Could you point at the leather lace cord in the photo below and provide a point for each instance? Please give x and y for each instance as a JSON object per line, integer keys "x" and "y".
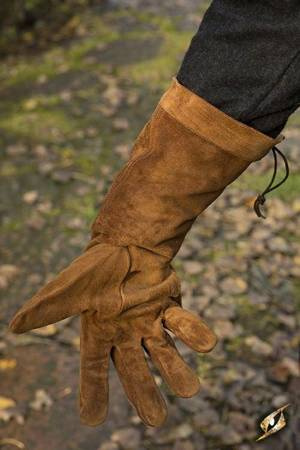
{"x": 260, "y": 199}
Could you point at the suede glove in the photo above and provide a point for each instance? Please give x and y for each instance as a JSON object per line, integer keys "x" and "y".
{"x": 124, "y": 284}
{"x": 138, "y": 329}
{"x": 119, "y": 318}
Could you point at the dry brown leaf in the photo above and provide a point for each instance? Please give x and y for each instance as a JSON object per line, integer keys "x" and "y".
{"x": 249, "y": 201}
{"x": 65, "y": 392}
{"x": 120, "y": 124}
{"x": 12, "y": 441}
{"x": 7, "y": 273}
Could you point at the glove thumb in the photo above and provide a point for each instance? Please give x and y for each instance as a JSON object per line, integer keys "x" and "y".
{"x": 92, "y": 277}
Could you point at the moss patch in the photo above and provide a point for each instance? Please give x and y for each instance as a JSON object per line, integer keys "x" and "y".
{"x": 258, "y": 182}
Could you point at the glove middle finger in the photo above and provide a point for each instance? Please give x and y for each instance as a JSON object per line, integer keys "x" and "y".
{"x": 138, "y": 382}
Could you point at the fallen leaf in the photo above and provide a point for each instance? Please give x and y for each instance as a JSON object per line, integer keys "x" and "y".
{"x": 11, "y": 441}
{"x": 42, "y": 79}
{"x": 233, "y": 285}
{"x": 113, "y": 95}
{"x": 120, "y": 124}
{"x": 7, "y": 273}
{"x": 44, "y": 207}
{"x": 123, "y": 150}
{"x": 7, "y": 364}
{"x": 6, "y": 403}
{"x": 61, "y": 176}
{"x": 132, "y": 97}
{"x": 6, "y": 415}
{"x": 36, "y": 222}
{"x": 30, "y": 104}
{"x": 258, "y": 346}
{"x": 65, "y": 392}
{"x": 66, "y": 95}
{"x": 48, "y": 330}
{"x": 76, "y": 342}
{"x": 40, "y": 151}
{"x": 41, "y": 401}
{"x": 105, "y": 110}
{"x": 282, "y": 370}
{"x": 30, "y": 197}
{"x": 16, "y": 150}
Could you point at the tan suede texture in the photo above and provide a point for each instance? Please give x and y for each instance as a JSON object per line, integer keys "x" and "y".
{"x": 124, "y": 285}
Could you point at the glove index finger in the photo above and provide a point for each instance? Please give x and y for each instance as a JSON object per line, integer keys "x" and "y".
{"x": 95, "y": 346}
{"x": 192, "y": 330}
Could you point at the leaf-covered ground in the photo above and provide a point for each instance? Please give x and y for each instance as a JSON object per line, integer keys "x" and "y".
{"x": 68, "y": 117}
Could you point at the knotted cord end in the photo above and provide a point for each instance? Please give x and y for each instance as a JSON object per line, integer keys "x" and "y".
{"x": 259, "y": 201}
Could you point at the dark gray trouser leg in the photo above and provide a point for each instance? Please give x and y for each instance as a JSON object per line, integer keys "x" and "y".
{"x": 245, "y": 60}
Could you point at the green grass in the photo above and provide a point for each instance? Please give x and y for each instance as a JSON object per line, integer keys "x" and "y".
{"x": 47, "y": 63}
{"x": 160, "y": 69}
{"x": 296, "y": 292}
{"x": 253, "y": 319}
{"x": 39, "y": 123}
{"x": 294, "y": 119}
{"x": 84, "y": 206}
{"x": 258, "y": 182}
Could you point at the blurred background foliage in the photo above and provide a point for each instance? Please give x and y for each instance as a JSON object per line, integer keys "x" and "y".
{"x": 78, "y": 80}
{"x": 36, "y": 23}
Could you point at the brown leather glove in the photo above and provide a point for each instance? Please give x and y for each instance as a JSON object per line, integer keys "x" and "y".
{"x": 124, "y": 284}
{"x": 125, "y": 338}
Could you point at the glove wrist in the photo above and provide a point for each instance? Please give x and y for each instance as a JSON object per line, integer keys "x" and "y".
{"x": 183, "y": 159}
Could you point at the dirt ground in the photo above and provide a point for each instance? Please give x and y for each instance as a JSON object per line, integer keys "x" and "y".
{"x": 68, "y": 118}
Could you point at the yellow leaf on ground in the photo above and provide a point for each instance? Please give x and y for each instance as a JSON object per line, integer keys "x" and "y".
{"x": 30, "y": 104}
{"x": 48, "y": 330}
{"x": 6, "y": 402}
{"x": 6, "y": 364}
{"x": 11, "y": 441}
{"x": 76, "y": 342}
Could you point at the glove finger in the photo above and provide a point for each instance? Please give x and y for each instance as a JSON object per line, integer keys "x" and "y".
{"x": 94, "y": 366}
{"x": 192, "y": 330}
{"x": 177, "y": 374}
{"x": 96, "y": 273}
{"x": 139, "y": 384}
